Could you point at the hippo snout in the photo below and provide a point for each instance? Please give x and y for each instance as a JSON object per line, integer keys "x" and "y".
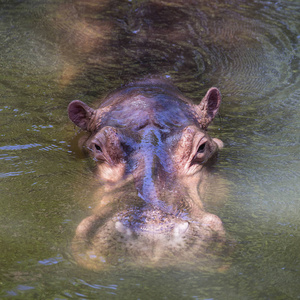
{"x": 151, "y": 222}
{"x": 177, "y": 229}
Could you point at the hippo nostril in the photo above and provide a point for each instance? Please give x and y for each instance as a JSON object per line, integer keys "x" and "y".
{"x": 180, "y": 229}
{"x": 122, "y": 229}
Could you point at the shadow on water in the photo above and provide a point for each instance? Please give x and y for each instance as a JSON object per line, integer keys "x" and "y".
{"x": 52, "y": 52}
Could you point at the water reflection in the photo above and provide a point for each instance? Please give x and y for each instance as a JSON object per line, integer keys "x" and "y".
{"x": 241, "y": 47}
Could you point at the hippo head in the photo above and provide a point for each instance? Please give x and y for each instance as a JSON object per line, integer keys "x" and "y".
{"x": 151, "y": 149}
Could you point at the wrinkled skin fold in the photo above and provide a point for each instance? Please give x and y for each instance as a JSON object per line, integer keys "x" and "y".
{"x": 151, "y": 148}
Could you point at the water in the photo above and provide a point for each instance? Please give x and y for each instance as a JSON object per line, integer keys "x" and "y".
{"x": 52, "y": 52}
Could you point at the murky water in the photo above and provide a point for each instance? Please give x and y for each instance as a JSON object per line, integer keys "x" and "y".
{"x": 52, "y": 52}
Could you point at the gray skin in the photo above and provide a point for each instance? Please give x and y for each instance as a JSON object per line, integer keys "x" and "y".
{"x": 152, "y": 150}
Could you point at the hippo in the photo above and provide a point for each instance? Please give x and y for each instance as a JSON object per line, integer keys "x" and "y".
{"x": 152, "y": 152}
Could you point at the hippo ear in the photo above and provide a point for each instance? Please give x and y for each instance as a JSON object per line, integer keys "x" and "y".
{"x": 209, "y": 106}
{"x": 80, "y": 114}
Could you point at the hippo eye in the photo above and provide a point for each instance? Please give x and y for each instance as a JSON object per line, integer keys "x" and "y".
{"x": 201, "y": 148}
{"x": 98, "y": 148}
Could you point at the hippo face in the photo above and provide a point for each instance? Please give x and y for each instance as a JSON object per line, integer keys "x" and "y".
{"x": 151, "y": 149}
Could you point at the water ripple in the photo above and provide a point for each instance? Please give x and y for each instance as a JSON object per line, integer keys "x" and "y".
{"x": 248, "y": 49}
{"x": 19, "y": 147}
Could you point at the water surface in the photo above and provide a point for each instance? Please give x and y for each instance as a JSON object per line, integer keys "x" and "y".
{"x": 52, "y": 52}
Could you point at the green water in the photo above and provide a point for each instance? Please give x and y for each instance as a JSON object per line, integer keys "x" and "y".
{"x": 52, "y": 52}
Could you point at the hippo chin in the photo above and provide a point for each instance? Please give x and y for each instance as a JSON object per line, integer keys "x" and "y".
{"x": 152, "y": 151}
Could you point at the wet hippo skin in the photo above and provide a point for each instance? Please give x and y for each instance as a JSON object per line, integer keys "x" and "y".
{"x": 152, "y": 150}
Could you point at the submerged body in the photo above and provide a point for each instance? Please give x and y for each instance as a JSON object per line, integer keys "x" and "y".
{"x": 152, "y": 150}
